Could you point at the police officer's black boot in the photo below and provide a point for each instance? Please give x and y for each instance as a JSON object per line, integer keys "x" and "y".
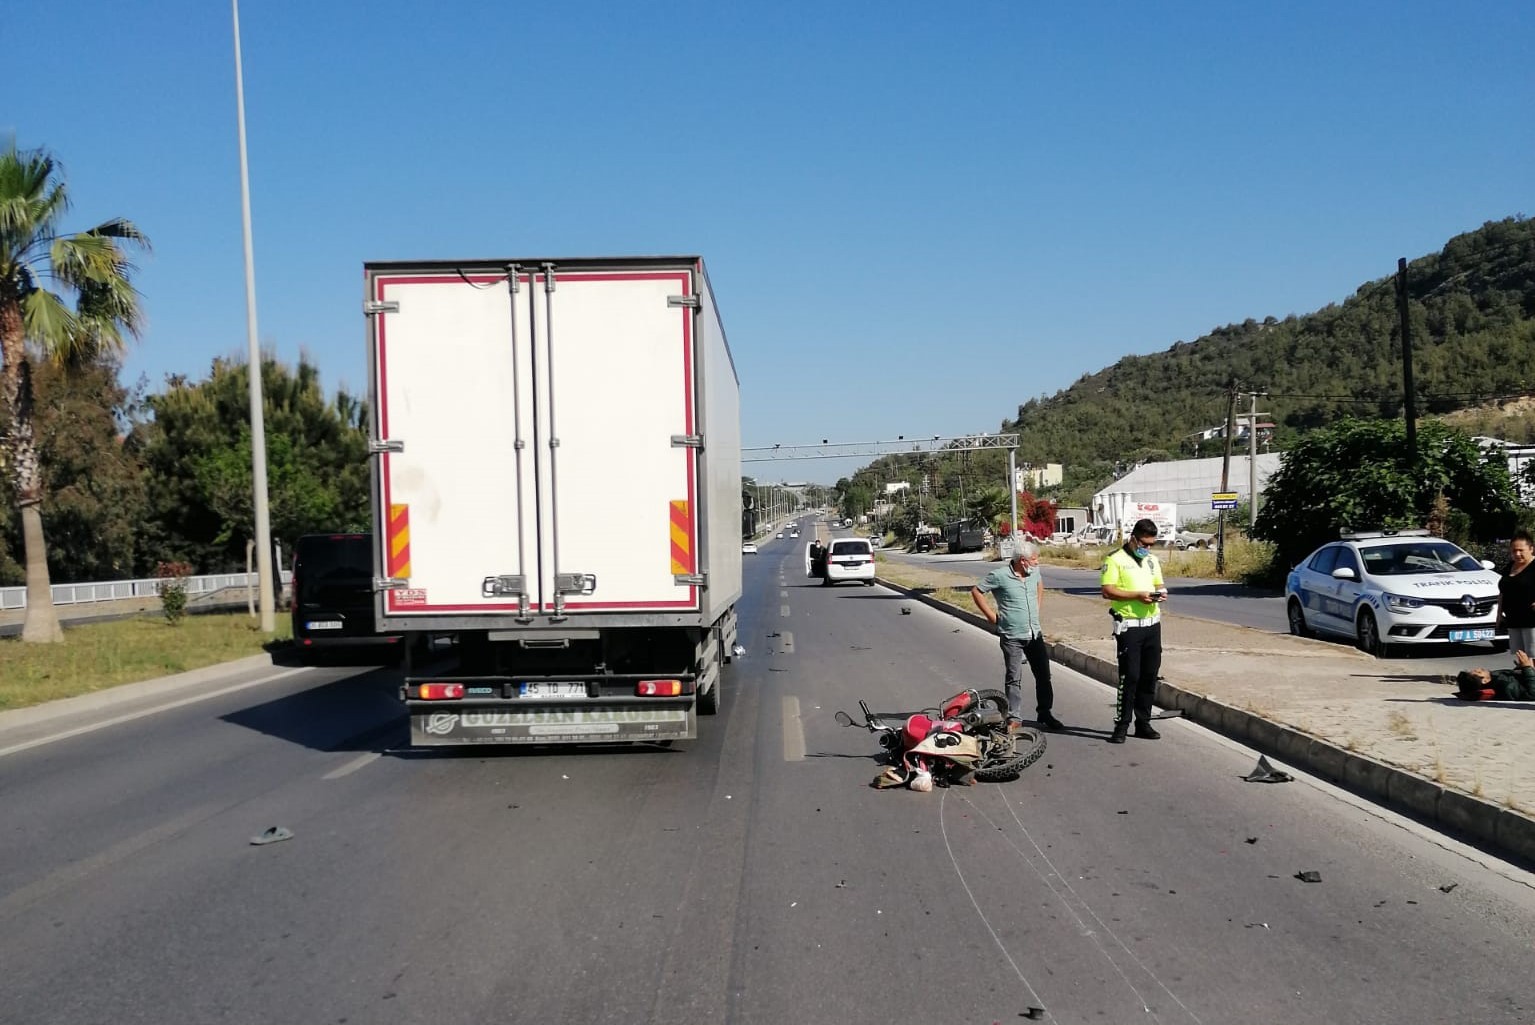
{"x": 1144, "y": 731}
{"x": 1121, "y": 727}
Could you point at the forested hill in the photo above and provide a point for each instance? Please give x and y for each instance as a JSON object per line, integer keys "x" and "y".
{"x": 1473, "y": 330}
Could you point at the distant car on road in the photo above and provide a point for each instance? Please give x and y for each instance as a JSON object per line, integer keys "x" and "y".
{"x": 748, "y": 548}
{"x": 1393, "y": 589}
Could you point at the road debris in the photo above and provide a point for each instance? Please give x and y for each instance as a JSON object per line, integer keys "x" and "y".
{"x": 1447, "y": 887}
{"x": 1033, "y": 1014}
{"x": 1266, "y": 773}
{"x": 905, "y": 610}
{"x": 1309, "y": 876}
{"x": 1252, "y": 839}
{"x": 272, "y": 834}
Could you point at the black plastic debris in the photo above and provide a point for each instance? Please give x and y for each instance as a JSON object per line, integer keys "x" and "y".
{"x": 272, "y": 834}
{"x": 1033, "y": 1014}
{"x": 1309, "y": 876}
{"x": 1121, "y": 813}
{"x": 905, "y": 610}
{"x": 1266, "y": 773}
{"x": 1447, "y": 887}
{"x": 1252, "y": 839}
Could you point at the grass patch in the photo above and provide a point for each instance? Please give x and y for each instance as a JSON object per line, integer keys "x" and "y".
{"x": 1399, "y": 724}
{"x": 101, "y": 655}
{"x": 960, "y": 599}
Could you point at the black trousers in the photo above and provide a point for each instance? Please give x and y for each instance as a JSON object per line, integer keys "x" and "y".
{"x": 1139, "y": 649}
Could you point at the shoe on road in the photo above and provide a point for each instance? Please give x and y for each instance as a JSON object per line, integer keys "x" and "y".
{"x": 1014, "y": 725}
{"x": 1118, "y": 736}
{"x": 1144, "y": 731}
{"x": 1051, "y": 723}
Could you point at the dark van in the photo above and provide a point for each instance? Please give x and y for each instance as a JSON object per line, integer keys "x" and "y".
{"x": 333, "y": 600}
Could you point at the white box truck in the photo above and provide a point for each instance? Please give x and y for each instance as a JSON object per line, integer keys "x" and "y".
{"x": 556, "y": 495}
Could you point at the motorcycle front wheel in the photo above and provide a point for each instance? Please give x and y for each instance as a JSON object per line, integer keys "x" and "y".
{"x": 1009, "y": 754}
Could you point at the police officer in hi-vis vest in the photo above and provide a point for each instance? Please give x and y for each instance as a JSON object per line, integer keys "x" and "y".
{"x": 1132, "y": 582}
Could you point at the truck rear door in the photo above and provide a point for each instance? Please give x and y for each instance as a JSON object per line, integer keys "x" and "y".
{"x": 536, "y": 431}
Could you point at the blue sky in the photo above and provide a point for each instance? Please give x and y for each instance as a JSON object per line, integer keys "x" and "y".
{"x": 916, "y": 216}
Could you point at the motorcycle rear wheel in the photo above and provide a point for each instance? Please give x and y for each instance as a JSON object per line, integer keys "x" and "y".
{"x": 1006, "y": 761}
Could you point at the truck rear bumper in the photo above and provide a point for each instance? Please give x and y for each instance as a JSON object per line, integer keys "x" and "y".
{"x": 434, "y": 725}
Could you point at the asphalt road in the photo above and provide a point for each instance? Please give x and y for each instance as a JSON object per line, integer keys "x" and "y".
{"x": 1219, "y": 600}
{"x": 751, "y": 876}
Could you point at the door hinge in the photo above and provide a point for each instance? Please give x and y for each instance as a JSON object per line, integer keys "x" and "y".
{"x": 381, "y": 445}
{"x": 389, "y": 583}
{"x": 690, "y": 579}
{"x": 690, "y": 301}
{"x": 371, "y": 307}
{"x": 687, "y": 441}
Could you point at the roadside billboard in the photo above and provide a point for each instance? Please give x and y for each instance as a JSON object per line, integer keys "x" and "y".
{"x": 1163, "y": 514}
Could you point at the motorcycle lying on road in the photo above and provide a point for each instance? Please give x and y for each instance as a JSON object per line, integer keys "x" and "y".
{"x": 963, "y": 741}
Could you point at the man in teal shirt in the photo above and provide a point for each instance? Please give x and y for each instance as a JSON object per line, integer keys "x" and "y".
{"x": 1019, "y": 589}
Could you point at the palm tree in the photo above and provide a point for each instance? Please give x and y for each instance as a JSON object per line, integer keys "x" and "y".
{"x": 63, "y": 298}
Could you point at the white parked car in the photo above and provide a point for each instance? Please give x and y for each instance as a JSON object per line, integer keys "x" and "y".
{"x": 847, "y": 558}
{"x": 748, "y": 548}
{"x": 1394, "y": 588}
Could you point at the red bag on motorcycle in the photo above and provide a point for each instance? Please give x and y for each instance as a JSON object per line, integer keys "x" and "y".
{"x": 919, "y": 727}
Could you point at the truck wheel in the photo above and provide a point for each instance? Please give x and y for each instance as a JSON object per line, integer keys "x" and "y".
{"x": 709, "y": 700}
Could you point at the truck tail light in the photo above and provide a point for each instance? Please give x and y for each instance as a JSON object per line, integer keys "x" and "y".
{"x": 658, "y": 688}
{"x": 440, "y": 691}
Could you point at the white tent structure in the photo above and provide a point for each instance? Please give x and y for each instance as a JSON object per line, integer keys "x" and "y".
{"x": 1187, "y": 483}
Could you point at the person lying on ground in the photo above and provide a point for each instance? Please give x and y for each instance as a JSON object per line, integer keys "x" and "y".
{"x": 1516, "y": 684}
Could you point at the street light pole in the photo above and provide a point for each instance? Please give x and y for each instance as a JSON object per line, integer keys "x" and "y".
{"x": 258, "y": 417}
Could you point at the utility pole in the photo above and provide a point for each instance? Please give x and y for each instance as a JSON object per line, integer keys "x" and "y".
{"x": 264, "y": 567}
{"x": 1252, "y": 460}
{"x": 1220, "y": 521}
{"x": 1411, "y": 404}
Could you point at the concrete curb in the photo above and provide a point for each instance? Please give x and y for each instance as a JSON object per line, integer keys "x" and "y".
{"x": 1399, "y": 789}
{"x": 110, "y": 697}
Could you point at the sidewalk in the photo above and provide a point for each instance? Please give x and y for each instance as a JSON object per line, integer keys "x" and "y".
{"x": 1384, "y": 728}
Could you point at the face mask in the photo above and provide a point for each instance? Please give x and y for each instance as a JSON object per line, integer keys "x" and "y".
{"x": 1142, "y": 552}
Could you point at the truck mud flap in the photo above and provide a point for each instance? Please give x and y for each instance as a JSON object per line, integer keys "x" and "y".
{"x": 437, "y": 728}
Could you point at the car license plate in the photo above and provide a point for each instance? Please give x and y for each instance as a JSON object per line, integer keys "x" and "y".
{"x": 545, "y": 689}
{"x": 324, "y": 624}
{"x": 1472, "y": 635}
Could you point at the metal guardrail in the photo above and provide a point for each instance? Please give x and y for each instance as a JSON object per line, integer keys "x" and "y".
{"x": 118, "y": 590}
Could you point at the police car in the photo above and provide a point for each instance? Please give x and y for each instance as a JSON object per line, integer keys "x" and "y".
{"x": 1394, "y": 588}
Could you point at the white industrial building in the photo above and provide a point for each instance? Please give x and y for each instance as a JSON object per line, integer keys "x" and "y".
{"x": 1186, "y": 483}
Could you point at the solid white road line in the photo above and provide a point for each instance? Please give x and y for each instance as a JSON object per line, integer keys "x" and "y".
{"x": 361, "y": 761}
{"x": 793, "y": 731}
{"x": 156, "y": 710}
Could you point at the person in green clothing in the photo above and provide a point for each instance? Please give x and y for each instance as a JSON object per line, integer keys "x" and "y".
{"x": 1131, "y": 580}
{"x": 1517, "y": 684}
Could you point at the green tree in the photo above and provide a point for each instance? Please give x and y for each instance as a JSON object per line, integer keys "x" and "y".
{"x": 63, "y": 298}
{"x": 197, "y": 452}
{"x": 1357, "y": 474}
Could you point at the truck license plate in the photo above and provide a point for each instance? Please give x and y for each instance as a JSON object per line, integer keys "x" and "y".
{"x": 544, "y": 689}
{"x": 1472, "y": 635}
{"x": 324, "y": 624}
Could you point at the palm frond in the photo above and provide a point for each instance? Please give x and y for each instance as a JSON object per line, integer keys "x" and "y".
{"x": 121, "y": 228}
{"x": 50, "y": 324}
{"x": 78, "y": 260}
{"x": 107, "y": 308}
